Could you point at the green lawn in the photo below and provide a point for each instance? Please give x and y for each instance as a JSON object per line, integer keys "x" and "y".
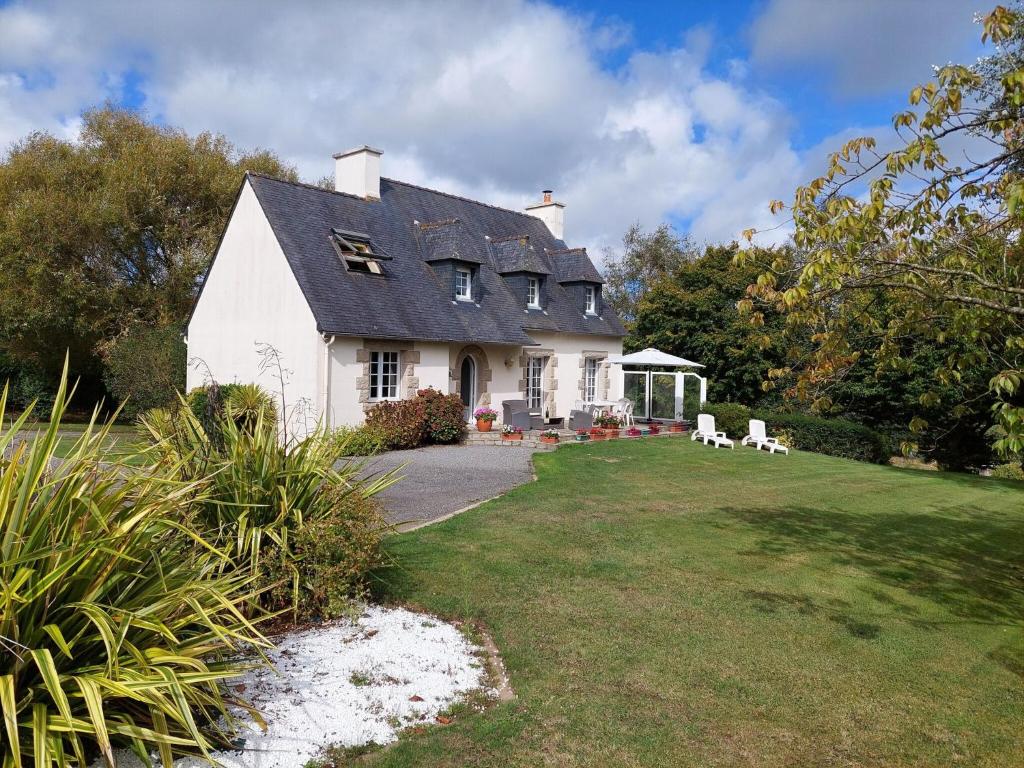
{"x": 662, "y": 603}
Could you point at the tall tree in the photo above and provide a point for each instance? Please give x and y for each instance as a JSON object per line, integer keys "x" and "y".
{"x": 693, "y": 314}
{"x": 645, "y": 258}
{"x": 932, "y": 227}
{"x": 113, "y": 230}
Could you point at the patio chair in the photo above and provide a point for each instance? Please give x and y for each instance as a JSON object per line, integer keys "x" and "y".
{"x": 515, "y": 413}
{"x": 758, "y": 438}
{"x": 706, "y": 430}
{"x": 581, "y": 419}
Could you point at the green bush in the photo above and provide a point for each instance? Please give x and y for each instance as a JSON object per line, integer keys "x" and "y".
{"x": 731, "y": 418}
{"x": 357, "y": 441}
{"x": 834, "y": 437}
{"x": 259, "y": 494}
{"x": 212, "y": 403}
{"x": 446, "y": 417}
{"x": 1011, "y": 471}
{"x": 332, "y": 555}
{"x": 403, "y": 423}
{"x": 145, "y": 368}
{"x": 117, "y": 629}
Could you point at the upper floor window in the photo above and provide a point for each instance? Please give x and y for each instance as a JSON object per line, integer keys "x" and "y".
{"x": 591, "y": 300}
{"x": 463, "y": 284}
{"x": 383, "y": 375}
{"x": 533, "y": 293}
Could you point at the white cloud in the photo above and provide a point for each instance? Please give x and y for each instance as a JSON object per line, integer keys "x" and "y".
{"x": 494, "y": 100}
{"x": 867, "y": 46}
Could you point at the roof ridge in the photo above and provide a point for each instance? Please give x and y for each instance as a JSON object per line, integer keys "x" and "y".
{"x": 304, "y": 185}
{"x": 457, "y": 197}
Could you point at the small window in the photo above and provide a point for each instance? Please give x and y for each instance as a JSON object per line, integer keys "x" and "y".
{"x": 590, "y": 379}
{"x": 357, "y": 252}
{"x": 591, "y": 300}
{"x": 533, "y": 293}
{"x": 383, "y": 375}
{"x": 463, "y": 285}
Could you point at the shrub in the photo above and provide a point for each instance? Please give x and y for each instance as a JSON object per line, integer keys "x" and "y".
{"x": 145, "y": 368}
{"x": 731, "y": 418}
{"x": 332, "y": 555}
{"x": 834, "y": 437}
{"x": 446, "y": 420}
{"x": 259, "y": 494}
{"x": 403, "y": 423}
{"x": 1012, "y": 471}
{"x": 357, "y": 441}
{"x": 212, "y": 403}
{"x": 117, "y": 630}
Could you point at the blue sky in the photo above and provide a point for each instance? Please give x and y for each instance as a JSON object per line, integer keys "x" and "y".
{"x": 697, "y": 113}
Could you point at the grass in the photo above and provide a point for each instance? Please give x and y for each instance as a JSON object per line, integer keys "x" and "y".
{"x": 661, "y": 603}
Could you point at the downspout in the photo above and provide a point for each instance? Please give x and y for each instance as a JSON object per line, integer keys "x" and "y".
{"x": 325, "y": 382}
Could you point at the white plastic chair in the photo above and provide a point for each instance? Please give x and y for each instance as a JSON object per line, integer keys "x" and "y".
{"x": 758, "y": 438}
{"x": 706, "y": 430}
{"x": 626, "y": 412}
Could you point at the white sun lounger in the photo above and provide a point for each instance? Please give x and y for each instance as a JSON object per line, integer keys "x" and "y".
{"x": 758, "y": 438}
{"x": 706, "y": 431}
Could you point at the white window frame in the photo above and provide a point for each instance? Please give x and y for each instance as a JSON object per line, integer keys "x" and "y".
{"x": 533, "y": 293}
{"x": 591, "y": 305}
{"x": 535, "y": 382}
{"x": 463, "y": 288}
{"x": 591, "y": 367}
{"x": 384, "y": 376}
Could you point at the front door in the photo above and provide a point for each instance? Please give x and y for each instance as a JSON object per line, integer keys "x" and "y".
{"x": 467, "y": 386}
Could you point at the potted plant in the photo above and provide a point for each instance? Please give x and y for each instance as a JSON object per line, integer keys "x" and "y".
{"x": 549, "y": 436}
{"x": 508, "y": 432}
{"x": 582, "y": 435}
{"x": 677, "y": 426}
{"x": 596, "y": 433}
{"x": 484, "y": 419}
{"x": 654, "y": 429}
{"x": 633, "y": 432}
{"x": 610, "y": 423}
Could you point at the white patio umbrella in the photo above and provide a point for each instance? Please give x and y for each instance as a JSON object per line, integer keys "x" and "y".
{"x": 651, "y": 358}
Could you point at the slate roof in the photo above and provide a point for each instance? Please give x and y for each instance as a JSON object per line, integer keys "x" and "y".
{"x": 417, "y": 227}
{"x": 573, "y": 265}
{"x": 517, "y": 254}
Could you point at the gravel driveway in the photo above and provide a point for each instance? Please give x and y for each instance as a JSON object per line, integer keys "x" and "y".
{"x": 442, "y": 479}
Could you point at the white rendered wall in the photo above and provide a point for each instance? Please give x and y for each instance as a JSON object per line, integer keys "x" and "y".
{"x": 568, "y": 350}
{"x": 251, "y": 297}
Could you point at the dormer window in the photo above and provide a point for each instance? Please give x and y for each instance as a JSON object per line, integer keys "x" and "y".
{"x": 591, "y": 300}
{"x": 463, "y": 284}
{"x": 357, "y": 252}
{"x": 533, "y": 293}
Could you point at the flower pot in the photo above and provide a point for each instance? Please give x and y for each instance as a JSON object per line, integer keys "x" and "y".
{"x": 549, "y": 440}
{"x": 597, "y": 434}
{"x": 610, "y": 432}
{"x": 582, "y": 438}
{"x": 512, "y": 437}
{"x": 484, "y": 425}
{"x": 676, "y": 428}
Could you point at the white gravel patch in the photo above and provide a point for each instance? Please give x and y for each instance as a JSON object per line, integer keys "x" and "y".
{"x": 349, "y": 684}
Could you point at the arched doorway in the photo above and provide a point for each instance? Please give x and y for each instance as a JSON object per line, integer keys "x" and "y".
{"x": 467, "y": 386}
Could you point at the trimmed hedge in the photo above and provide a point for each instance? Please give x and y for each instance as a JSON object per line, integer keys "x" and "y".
{"x": 833, "y": 437}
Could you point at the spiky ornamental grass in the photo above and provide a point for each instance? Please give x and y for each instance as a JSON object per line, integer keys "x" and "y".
{"x": 118, "y": 624}
{"x": 259, "y": 490}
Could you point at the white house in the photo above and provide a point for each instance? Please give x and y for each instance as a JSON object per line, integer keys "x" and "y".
{"x": 378, "y": 288}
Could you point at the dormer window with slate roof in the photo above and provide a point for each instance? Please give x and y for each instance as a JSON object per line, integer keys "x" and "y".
{"x": 463, "y": 284}
{"x": 590, "y": 300}
{"x": 533, "y": 292}
{"x": 357, "y": 252}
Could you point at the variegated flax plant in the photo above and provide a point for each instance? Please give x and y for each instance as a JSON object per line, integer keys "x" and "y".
{"x": 118, "y": 627}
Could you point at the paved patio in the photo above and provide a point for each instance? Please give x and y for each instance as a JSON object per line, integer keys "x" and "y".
{"x": 442, "y": 479}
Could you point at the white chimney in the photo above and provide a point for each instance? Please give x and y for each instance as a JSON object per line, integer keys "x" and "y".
{"x": 551, "y": 213}
{"x": 357, "y": 172}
